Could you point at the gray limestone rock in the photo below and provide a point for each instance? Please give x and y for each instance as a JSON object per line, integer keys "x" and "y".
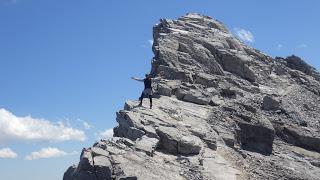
{"x": 102, "y": 167}
{"x": 169, "y": 139}
{"x": 196, "y": 97}
{"x": 189, "y": 145}
{"x": 68, "y": 175}
{"x": 146, "y": 144}
{"x": 96, "y": 151}
{"x": 163, "y": 89}
{"x": 86, "y": 161}
{"x": 300, "y": 136}
{"x": 294, "y": 62}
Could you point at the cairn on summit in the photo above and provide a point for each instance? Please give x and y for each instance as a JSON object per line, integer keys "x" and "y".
{"x": 224, "y": 111}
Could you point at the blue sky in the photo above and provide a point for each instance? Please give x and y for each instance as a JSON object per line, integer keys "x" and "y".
{"x": 65, "y": 66}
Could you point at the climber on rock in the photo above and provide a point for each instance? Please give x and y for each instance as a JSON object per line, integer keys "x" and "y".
{"x": 147, "y": 92}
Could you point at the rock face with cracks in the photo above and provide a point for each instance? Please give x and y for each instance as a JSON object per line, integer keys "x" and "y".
{"x": 223, "y": 110}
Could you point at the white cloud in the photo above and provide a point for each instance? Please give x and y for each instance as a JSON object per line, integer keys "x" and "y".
{"x": 302, "y": 46}
{"x": 48, "y": 152}
{"x": 13, "y": 128}
{"x": 7, "y": 153}
{"x": 150, "y": 42}
{"x": 279, "y": 46}
{"x": 244, "y": 35}
{"x": 107, "y": 134}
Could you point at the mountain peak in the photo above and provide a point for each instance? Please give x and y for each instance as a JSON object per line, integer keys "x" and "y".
{"x": 222, "y": 110}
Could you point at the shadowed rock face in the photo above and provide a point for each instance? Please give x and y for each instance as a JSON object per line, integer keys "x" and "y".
{"x": 222, "y": 111}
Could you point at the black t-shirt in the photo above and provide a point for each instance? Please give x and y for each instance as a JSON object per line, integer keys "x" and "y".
{"x": 147, "y": 83}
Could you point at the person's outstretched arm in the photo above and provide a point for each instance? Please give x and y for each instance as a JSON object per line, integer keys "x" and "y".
{"x": 157, "y": 78}
{"x": 160, "y": 77}
{"x": 137, "y": 79}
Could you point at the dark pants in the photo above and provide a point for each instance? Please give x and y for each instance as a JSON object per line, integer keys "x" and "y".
{"x": 143, "y": 96}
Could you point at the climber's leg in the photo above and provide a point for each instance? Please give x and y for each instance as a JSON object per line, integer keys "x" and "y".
{"x": 141, "y": 98}
{"x": 150, "y": 97}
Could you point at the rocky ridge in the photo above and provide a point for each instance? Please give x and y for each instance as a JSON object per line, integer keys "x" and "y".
{"x": 224, "y": 110}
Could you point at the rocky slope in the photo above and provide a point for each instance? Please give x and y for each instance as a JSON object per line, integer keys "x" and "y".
{"x": 223, "y": 111}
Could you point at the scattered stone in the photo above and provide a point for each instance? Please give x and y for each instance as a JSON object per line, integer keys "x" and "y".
{"x": 128, "y": 178}
{"x": 249, "y": 108}
{"x": 216, "y": 101}
{"x": 228, "y": 92}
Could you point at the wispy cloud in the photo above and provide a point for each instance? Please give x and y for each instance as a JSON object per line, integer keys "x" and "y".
{"x": 244, "y": 35}
{"x": 7, "y": 153}
{"x": 302, "y": 46}
{"x": 279, "y": 46}
{"x": 107, "y": 134}
{"x": 13, "y": 128}
{"x": 85, "y": 124}
{"x": 48, "y": 152}
{"x": 150, "y": 42}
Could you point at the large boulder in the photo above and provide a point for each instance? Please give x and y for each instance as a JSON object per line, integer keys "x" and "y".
{"x": 257, "y": 136}
{"x": 295, "y": 62}
{"x": 102, "y": 167}
{"x": 169, "y": 139}
{"x": 86, "y": 160}
{"x": 129, "y": 125}
{"x": 305, "y": 137}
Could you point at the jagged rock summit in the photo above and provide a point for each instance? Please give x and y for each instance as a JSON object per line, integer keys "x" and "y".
{"x": 223, "y": 111}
